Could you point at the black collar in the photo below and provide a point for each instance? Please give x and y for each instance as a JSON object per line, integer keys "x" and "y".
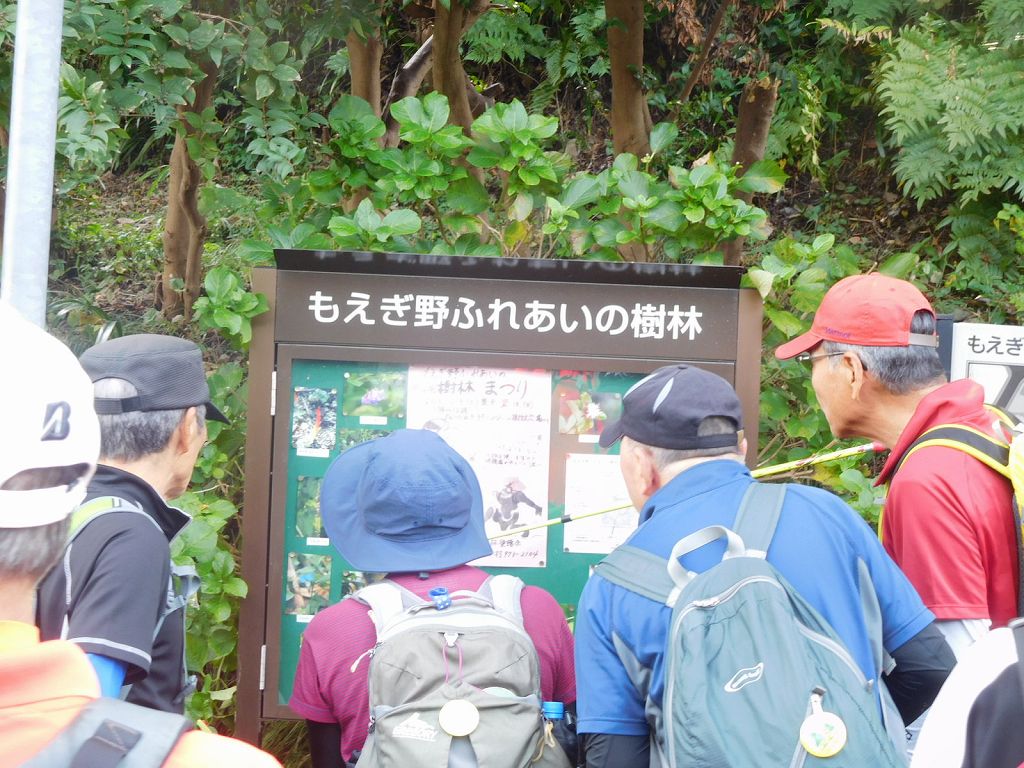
{"x": 110, "y": 481}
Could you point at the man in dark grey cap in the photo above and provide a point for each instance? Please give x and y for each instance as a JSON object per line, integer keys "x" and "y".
{"x": 681, "y": 455}
{"x": 115, "y": 592}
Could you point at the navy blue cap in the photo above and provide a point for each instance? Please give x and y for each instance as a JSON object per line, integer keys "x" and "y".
{"x": 665, "y": 410}
{"x": 404, "y": 502}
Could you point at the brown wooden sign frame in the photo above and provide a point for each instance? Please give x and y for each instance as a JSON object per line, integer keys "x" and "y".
{"x": 441, "y": 310}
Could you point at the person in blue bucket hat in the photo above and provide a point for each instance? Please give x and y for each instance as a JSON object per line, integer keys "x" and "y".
{"x": 406, "y": 507}
{"x": 404, "y": 502}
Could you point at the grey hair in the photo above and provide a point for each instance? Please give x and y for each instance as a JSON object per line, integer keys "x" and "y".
{"x": 134, "y": 435}
{"x": 29, "y": 553}
{"x": 712, "y": 425}
{"x": 900, "y": 370}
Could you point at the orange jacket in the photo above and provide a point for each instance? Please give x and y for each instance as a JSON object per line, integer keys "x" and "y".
{"x": 44, "y": 685}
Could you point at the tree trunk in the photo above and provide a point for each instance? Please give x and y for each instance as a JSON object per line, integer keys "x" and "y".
{"x": 630, "y": 118}
{"x": 184, "y": 226}
{"x": 407, "y": 83}
{"x": 364, "y": 67}
{"x": 450, "y": 24}
{"x": 757, "y": 106}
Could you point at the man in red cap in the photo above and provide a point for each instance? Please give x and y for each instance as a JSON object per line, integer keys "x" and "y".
{"x": 873, "y": 352}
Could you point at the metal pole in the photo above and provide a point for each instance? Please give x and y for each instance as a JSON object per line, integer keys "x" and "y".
{"x": 33, "y": 136}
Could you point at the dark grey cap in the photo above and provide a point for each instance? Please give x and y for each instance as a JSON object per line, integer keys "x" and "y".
{"x": 666, "y": 408}
{"x": 166, "y": 371}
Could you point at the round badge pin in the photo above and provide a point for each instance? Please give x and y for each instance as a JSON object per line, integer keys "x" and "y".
{"x": 823, "y": 734}
{"x": 458, "y": 717}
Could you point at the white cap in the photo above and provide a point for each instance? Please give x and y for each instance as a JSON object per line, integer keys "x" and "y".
{"x": 47, "y": 420}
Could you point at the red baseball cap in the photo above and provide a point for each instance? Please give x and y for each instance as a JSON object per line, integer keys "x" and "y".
{"x": 872, "y": 310}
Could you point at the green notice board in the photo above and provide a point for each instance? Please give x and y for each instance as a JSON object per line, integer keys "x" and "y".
{"x": 531, "y": 435}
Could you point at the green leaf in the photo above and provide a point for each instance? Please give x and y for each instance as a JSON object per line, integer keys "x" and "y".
{"x": 762, "y": 280}
{"x": 581, "y": 191}
{"x": 823, "y": 244}
{"x": 764, "y": 176}
{"x": 667, "y": 215}
{"x": 468, "y": 195}
{"x": 402, "y": 222}
{"x": 436, "y": 110}
{"x": 662, "y": 136}
{"x": 236, "y": 587}
{"x": 220, "y": 282}
{"x": 899, "y": 264}
{"x": 634, "y": 184}
{"x": 177, "y": 34}
{"x": 286, "y": 74}
{"x": 264, "y": 87}
{"x": 522, "y": 207}
{"x": 785, "y": 321}
{"x": 486, "y": 155}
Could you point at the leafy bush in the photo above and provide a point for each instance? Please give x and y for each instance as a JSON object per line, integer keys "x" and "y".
{"x": 505, "y": 191}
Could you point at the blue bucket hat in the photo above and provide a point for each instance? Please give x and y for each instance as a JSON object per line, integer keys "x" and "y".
{"x": 404, "y": 502}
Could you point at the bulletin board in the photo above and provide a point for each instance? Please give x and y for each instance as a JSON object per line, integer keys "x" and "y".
{"x": 518, "y": 364}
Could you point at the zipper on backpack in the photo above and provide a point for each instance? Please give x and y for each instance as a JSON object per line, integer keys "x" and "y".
{"x": 831, "y": 645}
{"x": 363, "y": 655}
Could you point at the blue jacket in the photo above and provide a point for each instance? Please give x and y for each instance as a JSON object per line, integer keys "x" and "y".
{"x": 817, "y": 546}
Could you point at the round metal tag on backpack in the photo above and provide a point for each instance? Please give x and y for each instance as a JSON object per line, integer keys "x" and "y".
{"x": 823, "y": 734}
{"x": 458, "y": 717}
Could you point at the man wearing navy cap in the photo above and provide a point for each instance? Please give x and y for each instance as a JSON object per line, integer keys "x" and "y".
{"x": 681, "y": 455}
{"x": 115, "y": 593}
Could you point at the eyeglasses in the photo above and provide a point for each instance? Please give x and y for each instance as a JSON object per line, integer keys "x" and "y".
{"x": 807, "y": 357}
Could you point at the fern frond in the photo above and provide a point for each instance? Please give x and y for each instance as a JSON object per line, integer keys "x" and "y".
{"x": 912, "y": 79}
{"x": 923, "y": 165}
{"x": 865, "y": 12}
{"x": 1004, "y": 22}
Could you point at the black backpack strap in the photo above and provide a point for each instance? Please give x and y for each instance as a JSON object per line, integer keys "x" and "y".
{"x": 758, "y": 516}
{"x": 991, "y": 451}
{"x": 111, "y": 732}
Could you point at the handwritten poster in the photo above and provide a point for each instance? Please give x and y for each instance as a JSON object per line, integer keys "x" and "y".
{"x": 500, "y": 420}
{"x": 592, "y": 483}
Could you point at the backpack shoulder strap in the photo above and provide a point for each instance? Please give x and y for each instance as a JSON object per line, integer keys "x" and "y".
{"x": 505, "y": 593}
{"x": 638, "y": 571}
{"x": 102, "y": 505}
{"x": 991, "y": 451}
{"x": 111, "y": 732}
{"x": 758, "y": 516}
{"x": 387, "y": 601}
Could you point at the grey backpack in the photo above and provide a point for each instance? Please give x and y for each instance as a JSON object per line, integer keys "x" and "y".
{"x": 754, "y": 676}
{"x": 454, "y": 687}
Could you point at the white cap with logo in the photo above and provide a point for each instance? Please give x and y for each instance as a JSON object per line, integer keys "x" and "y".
{"x": 47, "y": 422}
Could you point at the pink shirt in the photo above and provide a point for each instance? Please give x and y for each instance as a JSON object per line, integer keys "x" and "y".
{"x": 948, "y": 520}
{"x": 327, "y": 691}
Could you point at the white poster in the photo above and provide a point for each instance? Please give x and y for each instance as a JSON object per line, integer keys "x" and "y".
{"x": 992, "y": 355}
{"x": 593, "y": 483}
{"x": 500, "y": 420}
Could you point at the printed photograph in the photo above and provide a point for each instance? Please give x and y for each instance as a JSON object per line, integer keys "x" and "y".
{"x": 308, "y": 523}
{"x": 352, "y": 582}
{"x": 348, "y": 438}
{"x": 308, "y": 587}
{"x": 314, "y": 419}
{"x": 374, "y": 393}
{"x": 584, "y": 411}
